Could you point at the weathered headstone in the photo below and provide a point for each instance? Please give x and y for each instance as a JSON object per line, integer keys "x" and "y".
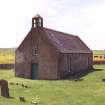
{"x": 22, "y": 99}
{"x": 4, "y": 88}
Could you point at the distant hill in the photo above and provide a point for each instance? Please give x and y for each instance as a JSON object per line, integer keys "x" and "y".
{"x": 7, "y": 55}
{"x": 7, "y": 49}
{"x": 98, "y": 52}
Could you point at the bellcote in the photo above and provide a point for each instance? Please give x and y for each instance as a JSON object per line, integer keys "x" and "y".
{"x": 37, "y": 21}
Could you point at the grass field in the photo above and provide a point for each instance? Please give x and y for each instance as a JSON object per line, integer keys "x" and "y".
{"x": 90, "y": 91}
{"x": 99, "y": 55}
{"x": 7, "y": 55}
{"x": 98, "y": 51}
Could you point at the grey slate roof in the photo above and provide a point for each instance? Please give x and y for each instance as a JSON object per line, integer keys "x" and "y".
{"x": 66, "y": 43}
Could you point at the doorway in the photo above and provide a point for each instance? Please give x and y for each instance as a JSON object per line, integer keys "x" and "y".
{"x": 34, "y": 71}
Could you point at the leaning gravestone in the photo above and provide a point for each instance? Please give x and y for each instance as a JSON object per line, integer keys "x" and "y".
{"x": 4, "y": 88}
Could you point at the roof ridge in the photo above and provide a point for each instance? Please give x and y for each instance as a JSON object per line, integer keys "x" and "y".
{"x": 62, "y": 33}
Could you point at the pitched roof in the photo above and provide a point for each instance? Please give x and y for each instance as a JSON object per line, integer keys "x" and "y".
{"x": 66, "y": 43}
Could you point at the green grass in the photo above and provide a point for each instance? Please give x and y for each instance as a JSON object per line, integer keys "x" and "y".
{"x": 90, "y": 91}
{"x": 7, "y": 55}
{"x": 98, "y": 52}
{"x": 99, "y": 55}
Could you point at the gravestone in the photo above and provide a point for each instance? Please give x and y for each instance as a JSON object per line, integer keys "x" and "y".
{"x": 22, "y": 99}
{"x": 4, "y": 88}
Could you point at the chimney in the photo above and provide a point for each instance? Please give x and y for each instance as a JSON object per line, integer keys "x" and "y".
{"x": 37, "y": 21}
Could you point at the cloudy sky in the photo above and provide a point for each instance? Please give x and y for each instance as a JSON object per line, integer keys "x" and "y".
{"x": 85, "y": 18}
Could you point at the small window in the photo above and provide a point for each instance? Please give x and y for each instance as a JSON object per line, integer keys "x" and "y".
{"x": 34, "y": 21}
{"x": 36, "y": 51}
{"x": 95, "y": 56}
{"x": 100, "y": 57}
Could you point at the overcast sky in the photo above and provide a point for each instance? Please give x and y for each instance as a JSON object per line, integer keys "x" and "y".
{"x": 85, "y": 18}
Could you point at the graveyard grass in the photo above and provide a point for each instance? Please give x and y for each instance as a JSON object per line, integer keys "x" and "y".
{"x": 90, "y": 91}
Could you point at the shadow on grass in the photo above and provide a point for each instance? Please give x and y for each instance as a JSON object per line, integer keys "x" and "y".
{"x": 78, "y": 76}
{"x": 11, "y": 97}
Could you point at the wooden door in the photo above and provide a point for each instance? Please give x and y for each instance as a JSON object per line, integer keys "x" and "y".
{"x": 34, "y": 71}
